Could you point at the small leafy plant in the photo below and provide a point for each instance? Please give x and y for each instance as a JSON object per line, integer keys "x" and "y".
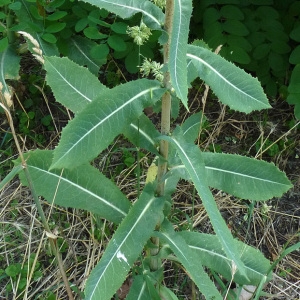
{"x": 145, "y": 235}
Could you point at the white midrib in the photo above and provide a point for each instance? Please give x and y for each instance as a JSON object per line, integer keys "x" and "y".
{"x": 105, "y": 119}
{"x": 238, "y": 174}
{"x": 122, "y": 243}
{"x": 223, "y": 78}
{"x": 81, "y": 188}
{"x": 68, "y": 83}
{"x": 143, "y": 133}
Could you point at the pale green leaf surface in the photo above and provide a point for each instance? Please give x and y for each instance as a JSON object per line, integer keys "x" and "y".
{"x": 191, "y": 157}
{"x": 73, "y": 86}
{"x": 95, "y": 127}
{"x": 190, "y": 261}
{"x": 16, "y": 170}
{"x": 244, "y": 177}
{"x": 83, "y": 187}
{"x": 152, "y": 15}
{"x": 125, "y": 246}
{"x": 209, "y": 249}
{"x": 9, "y": 67}
{"x": 143, "y": 134}
{"x": 233, "y": 86}
{"x": 178, "y": 48}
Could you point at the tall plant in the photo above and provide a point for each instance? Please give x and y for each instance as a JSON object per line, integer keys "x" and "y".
{"x": 64, "y": 176}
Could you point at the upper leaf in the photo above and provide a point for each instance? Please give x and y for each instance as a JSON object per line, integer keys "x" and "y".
{"x": 244, "y": 177}
{"x": 95, "y": 127}
{"x": 191, "y": 157}
{"x": 125, "y": 246}
{"x": 73, "y": 86}
{"x": 178, "y": 48}
{"x": 153, "y": 15}
{"x": 209, "y": 249}
{"x": 83, "y": 187}
{"x": 233, "y": 86}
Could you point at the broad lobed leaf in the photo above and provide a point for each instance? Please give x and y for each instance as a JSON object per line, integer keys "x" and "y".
{"x": 83, "y": 187}
{"x": 233, "y": 86}
{"x": 152, "y": 15}
{"x": 125, "y": 246}
{"x": 95, "y": 127}
{"x": 178, "y": 48}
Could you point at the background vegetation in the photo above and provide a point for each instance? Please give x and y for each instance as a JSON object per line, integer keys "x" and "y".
{"x": 260, "y": 36}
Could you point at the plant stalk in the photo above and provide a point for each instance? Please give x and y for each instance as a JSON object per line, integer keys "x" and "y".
{"x": 155, "y": 263}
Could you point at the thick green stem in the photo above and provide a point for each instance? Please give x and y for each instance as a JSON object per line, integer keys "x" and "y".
{"x": 155, "y": 263}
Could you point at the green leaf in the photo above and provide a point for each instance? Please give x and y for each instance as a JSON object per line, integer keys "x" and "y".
{"x": 9, "y": 67}
{"x": 231, "y": 12}
{"x": 93, "y": 33}
{"x": 56, "y": 27}
{"x": 190, "y": 261}
{"x": 295, "y": 56}
{"x": 192, "y": 125}
{"x": 83, "y": 187}
{"x": 13, "y": 270}
{"x": 95, "y": 127}
{"x": 138, "y": 289}
{"x": 191, "y": 157}
{"x": 49, "y": 37}
{"x": 3, "y": 44}
{"x": 16, "y": 170}
{"x": 235, "y": 27}
{"x": 142, "y": 133}
{"x": 80, "y": 51}
{"x": 209, "y": 249}
{"x": 153, "y": 16}
{"x": 116, "y": 42}
{"x": 244, "y": 177}
{"x": 233, "y": 86}
{"x": 70, "y": 89}
{"x": 178, "y": 48}
{"x": 56, "y": 15}
{"x": 100, "y": 52}
{"x": 119, "y": 27}
{"x": 125, "y": 246}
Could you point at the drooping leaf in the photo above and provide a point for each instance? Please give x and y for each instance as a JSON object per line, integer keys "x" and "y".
{"x": 234, "y": 87}
{"x": 9, "y": 67}
{"x": 209, "y": 249}
{"x": 95, "y": 127}
{"x": 244, "y": 177}
{"x": 125, "y": 246}
{"x": 190, "y": 261}
{"x": 191, "y": 157}
{"x": 16, "y": 170}
{"x": 71, "y": 90}
{"x": 143, "y": 134}
{"x": 152, "y": 15}
{"x": 178, "y": 48}
{"x": 83, "y": 187}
